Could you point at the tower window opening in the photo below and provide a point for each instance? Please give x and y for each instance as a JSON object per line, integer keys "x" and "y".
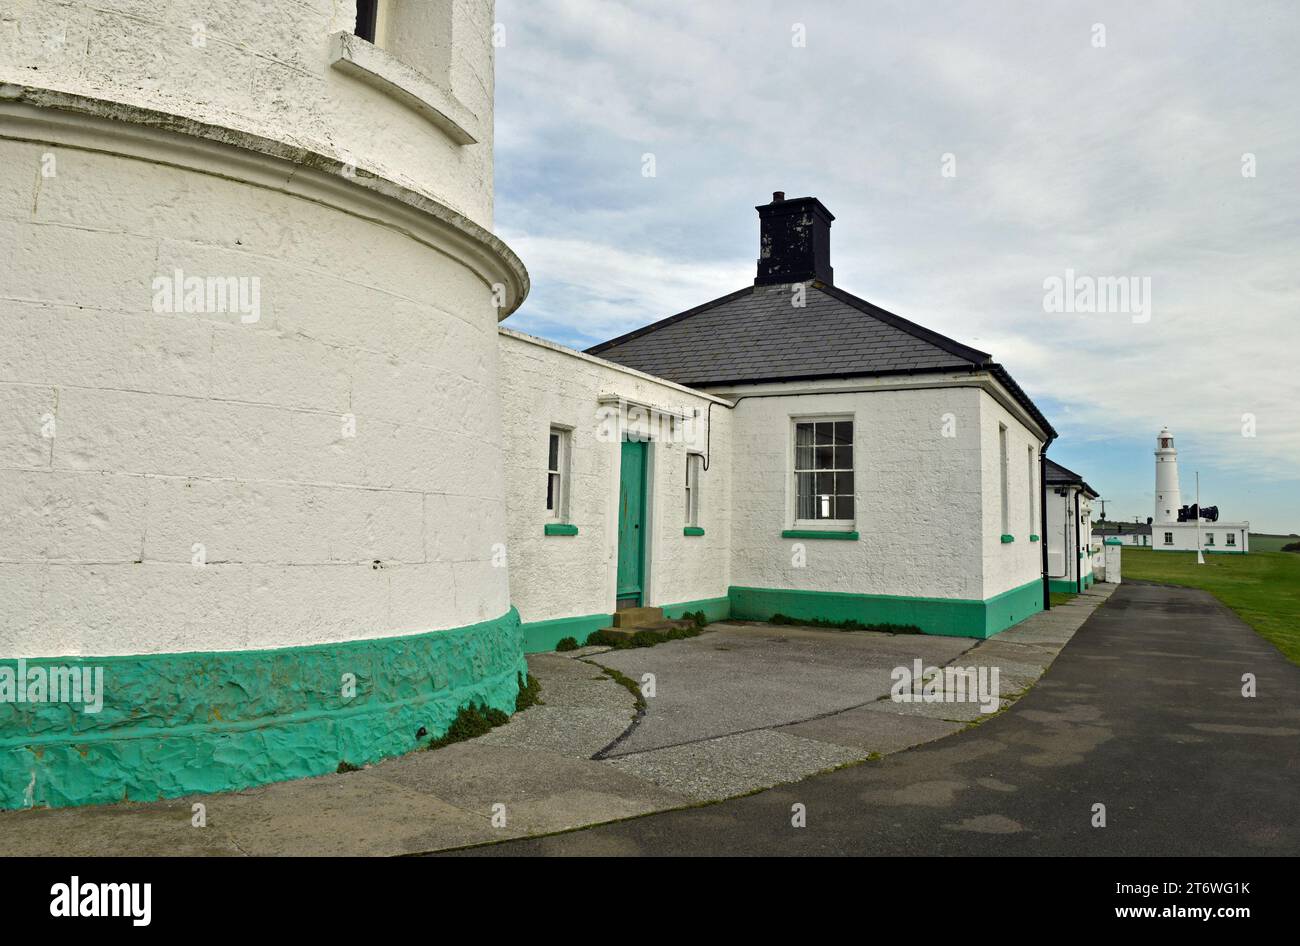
{"x": 367, "y": 19}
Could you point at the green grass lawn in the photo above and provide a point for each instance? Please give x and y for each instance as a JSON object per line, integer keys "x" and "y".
{"x": 1263, "y": 588}
{"x": 1061, "y": 597}
{"x": 1263, "y": 542}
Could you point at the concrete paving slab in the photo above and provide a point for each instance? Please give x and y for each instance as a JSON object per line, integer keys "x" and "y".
{"x": 741, "y": 678}
{"x": 731, "y": 765}
{"x": 541, "y": 791}
{"x": 582, "y": 711}
{"x": 873, "y": 731}
{"x": 957, "y": 712}
{"x": 355, "y": 813}
{"x": 125, "y": 830}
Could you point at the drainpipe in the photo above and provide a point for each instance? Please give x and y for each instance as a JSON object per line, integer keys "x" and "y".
{"x": 1078, "y": 534}
{"x": 1042, "y": 525}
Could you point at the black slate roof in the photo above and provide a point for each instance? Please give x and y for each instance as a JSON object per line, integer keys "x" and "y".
{"x": 1057, "y": 475}
{"x": 757, "y": 335}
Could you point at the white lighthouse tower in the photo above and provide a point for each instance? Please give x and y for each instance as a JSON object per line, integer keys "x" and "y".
{"x": 1168, "y": 498}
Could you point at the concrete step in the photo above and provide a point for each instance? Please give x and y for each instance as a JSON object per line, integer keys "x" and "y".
{"x": 637, "y": 617}
{"x": 659, "y": 627}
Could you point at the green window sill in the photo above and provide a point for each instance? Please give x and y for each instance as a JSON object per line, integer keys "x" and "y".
{"x": 1033, "y": 538}
{"x": 561, "y": 528}
{"x": 1008, "y": 538}
{"x": 693, "y": 530}
{"x": 818, "y": 534}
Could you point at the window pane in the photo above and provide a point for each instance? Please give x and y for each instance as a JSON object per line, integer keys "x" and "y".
{"x": 843, "y": 507}
{"x": 844, "y": 485}
{"x": 825, "y": 483}
{"x": 825, "y": 432}
{"x": 825, "y": 506}
{"x": 824, "y": 457}
{"x": 803, "y": 438}
{"x": 844, "y": 432}
{"x": 843, "y": 458}
{"x": 552, "y": 482}
{"x": 805, "y": 494}
{"x": 554, "y": 461}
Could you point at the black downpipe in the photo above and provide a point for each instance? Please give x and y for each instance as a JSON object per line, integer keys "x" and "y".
{"x": 1042, "y": 524}
{"x": 1078, "y": 551}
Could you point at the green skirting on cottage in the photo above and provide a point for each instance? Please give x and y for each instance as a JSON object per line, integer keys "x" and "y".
{"x": 952, "y": 617}
{"x": 542, "y": 636}
{"x": 175, "y": 724}
{"x": 1067, "y": 585}
{"x": 715, "y": 609}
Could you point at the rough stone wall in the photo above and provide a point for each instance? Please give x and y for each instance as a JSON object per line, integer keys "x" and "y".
{"x": 918, "y": 495}
{"x": 567, "y": 576}
{"x": 264, "y": 68}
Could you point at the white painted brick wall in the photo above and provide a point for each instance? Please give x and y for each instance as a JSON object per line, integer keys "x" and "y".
{"x": 176, "y": 429}
{"x": 1008, "y": 565}
{"x": 263, "y": 68}
{"x": 918, "y": 495}
{"x": 568, "y": 576}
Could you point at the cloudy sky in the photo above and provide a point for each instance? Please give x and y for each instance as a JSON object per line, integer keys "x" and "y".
{"x": 1110, "y": 139}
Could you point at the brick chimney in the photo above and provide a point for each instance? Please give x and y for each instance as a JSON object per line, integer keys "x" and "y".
{"x": 794, "y": 241}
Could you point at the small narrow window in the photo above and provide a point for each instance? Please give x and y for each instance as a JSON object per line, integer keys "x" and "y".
{"x": 1231, "y": 538}
{"x": 367, "y": 19}
{"x": 693, "y": 463}
{"x": 1033, "y": 494}
{"x": 1209, "y": 538}
{"x": 823, "y": 470}
{"x": 557, "y": 474}
{"x": 1169, "y": 538}
{"x": 1002, "y": 472}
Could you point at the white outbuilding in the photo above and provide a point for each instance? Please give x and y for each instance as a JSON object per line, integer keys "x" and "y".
{"x": 830, "y": 460}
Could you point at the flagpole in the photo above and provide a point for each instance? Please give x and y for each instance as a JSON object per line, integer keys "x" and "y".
{"x": 1200, "y": 552}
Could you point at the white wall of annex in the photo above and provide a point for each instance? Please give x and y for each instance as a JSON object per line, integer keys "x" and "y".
{"x": 917, "y": 494}
{"x": 543, "y": 384}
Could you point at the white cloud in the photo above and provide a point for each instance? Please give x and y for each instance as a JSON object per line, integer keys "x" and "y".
{"x": 1123, "y": 161}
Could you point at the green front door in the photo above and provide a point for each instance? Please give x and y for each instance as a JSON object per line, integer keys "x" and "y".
{"x": 631, "y": 513}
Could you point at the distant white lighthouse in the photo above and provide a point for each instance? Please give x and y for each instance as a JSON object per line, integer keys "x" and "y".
{"x": 1168, "y": 498}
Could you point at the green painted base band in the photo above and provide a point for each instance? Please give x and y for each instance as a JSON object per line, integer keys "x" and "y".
{"x": 692, "y": 530}
{"x": 176, "y": 724}
{"x": 1088, "y": 580}
{"x": 818, "y": 534}
{"x": 1068, "y": 585}
{"x": 560, "y": 528}
{"x": 715, "y": 609}
{"x": 1112, "y": 542}
{"x": 541, "y": 636}
{"x": 950, "y": 617}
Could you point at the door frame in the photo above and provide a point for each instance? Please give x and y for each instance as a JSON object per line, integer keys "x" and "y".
{"x": 647, "y": 518}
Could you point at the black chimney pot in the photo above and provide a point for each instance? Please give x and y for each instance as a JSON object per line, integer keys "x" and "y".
{"x": 794, "y": 241}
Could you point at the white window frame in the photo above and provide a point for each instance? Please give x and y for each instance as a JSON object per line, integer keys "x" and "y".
{"x": 1033, "y": 494}
{"x": 1003, "y": 475}
{"x": 828, "y": 525}
{"x": 694, "y": 466}
{"x": 559, "y": 510}
{"x": 1231, "y": 539}
{"x": 1169, "y": 538}
{"x": 1209, "y": 538}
